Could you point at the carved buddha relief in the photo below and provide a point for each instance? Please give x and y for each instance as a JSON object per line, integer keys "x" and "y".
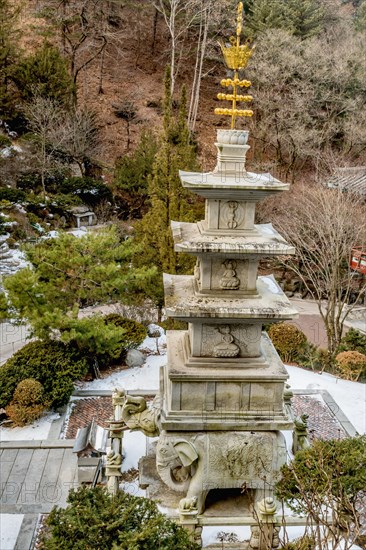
{"x": 229, "y": 280}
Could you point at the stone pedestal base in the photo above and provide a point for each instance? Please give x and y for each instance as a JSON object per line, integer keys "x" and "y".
{"x": 222, "y": 505}
{"x": 222, "y": 394}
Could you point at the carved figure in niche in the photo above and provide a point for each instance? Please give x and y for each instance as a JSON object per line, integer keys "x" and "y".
{"x": 232, "y": 222}
{"x": 229, "y": 280}
{"x": 227, "y": 347}
{"x": 197, "y": 271}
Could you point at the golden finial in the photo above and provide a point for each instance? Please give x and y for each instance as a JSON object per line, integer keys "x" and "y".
{"x": 236, "y": 57}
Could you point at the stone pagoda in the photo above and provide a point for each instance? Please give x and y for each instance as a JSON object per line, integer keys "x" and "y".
{"x": 221, "y": 406}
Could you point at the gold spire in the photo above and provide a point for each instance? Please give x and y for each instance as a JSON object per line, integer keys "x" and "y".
{"x": 236, "y": 57}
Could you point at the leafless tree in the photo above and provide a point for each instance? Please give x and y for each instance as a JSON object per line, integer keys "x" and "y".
{"x": 179, "y": 16}
{"x": 44, "y": 118}
{"x": 79, "y": 137}
{"x": 302, "y": 107}
{"x": 324, "y": 224}
{"x": 83, "y": 29}
{"x": 205, "y": 13}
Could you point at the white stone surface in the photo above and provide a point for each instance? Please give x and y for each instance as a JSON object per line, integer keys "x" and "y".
{"x": 182, "y": 302}
{"x": 9, "y": 529}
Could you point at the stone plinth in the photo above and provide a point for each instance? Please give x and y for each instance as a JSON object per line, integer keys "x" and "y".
{"x": 203, "y": 393}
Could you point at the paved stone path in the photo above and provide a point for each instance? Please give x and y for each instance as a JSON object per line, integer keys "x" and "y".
{"x": 35, "y": 477}
{"x": 12, "y": 338}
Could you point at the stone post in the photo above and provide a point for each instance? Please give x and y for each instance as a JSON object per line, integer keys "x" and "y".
{"x": 265, "y": 534}
{"x": 114, "y": 457}
{"x": 300, "y": 439}
{"x": 189, "y": 520}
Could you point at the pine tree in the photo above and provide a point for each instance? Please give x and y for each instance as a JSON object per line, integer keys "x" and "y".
{"x": 360, "y": 17}
{"x": 8, "y": 54}
{"x": 131, "y": 177}
{"x": 303, "y": 19}
{"x": 169, "y": 200}
{"x": 44, "y": 73}
{"x": 95, "y": 519}
{"x": 69, "y": 273}
{"x": 307, "y": 17}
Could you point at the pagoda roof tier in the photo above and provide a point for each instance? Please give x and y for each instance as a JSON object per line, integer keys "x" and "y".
{"x": 243, "y": 186}
{"x": 182, "y": 302}
{"x": 263, "y": 240}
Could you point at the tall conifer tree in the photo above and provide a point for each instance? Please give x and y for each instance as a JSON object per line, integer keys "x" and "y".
{"x": 303, "y": 18}
{"x": 169, "y": 200}
{"x": 9, "y": 34}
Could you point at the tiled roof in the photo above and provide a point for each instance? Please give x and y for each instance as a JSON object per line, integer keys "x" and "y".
{"x": 349, "y": 179}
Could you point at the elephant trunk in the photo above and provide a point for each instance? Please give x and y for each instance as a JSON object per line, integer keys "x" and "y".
{"x": 133, "y": 405}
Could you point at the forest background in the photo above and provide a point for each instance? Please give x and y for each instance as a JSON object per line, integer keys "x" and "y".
{"x": 90, "y": 116}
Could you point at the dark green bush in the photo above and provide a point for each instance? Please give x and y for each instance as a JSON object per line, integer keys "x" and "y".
{"x": 2, "y": 224}
{"x": 11, "y": 195}
{"x": 95, "y": 519}
{"x": 5, "y": 141}
{"x": 4, "y": 312}
{"x": 288, "y": 340}
{"x": 328, "y": 477}
{"x": 354, "y": 340}
{"x": 31, "y": 181}
{"x": 134, "y": 332}
{"x": 91, "y": 192}
{"x": 44, "y": 72}
{"x": 54, "y": 364}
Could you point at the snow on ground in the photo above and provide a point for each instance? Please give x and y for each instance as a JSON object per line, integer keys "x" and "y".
{"x": 137, "y": 378}
{"x": 38, "y": 430}
{"x": 349, "y": 396}
{"x": 134, "y": 445}
{"x": 9, "y": 529}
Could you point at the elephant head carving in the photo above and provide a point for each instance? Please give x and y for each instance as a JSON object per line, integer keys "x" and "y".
{"x": 176, "y": 462}
{"x": 137, "y": 416}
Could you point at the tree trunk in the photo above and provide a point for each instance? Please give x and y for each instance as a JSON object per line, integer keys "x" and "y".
{"x": 155, "y": 26}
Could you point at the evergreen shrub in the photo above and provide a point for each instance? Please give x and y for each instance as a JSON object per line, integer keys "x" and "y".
{"x": 29, "y": 392}
{"x": 5, "y": 141}
{"x": 288, "y": 340}
{"x": 21, "y": 415}
{"x": 91, "y": 192}
{"x": 354, "y": 340}
{"x": 96, "y": 519}
{"x": 11, "y": 195}
{"x": 327, "y": 480}
{"x": 134, "y": 333}
{"x": 351, "y": 364}
{"x": 55, "y": 365}
{"x": 44, "y": 72}
{"x": 28, "y": 402}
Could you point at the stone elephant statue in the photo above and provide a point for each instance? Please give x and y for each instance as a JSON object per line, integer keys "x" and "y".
{"x": 138, "y": 416}
{"x": 196, "y": 463}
